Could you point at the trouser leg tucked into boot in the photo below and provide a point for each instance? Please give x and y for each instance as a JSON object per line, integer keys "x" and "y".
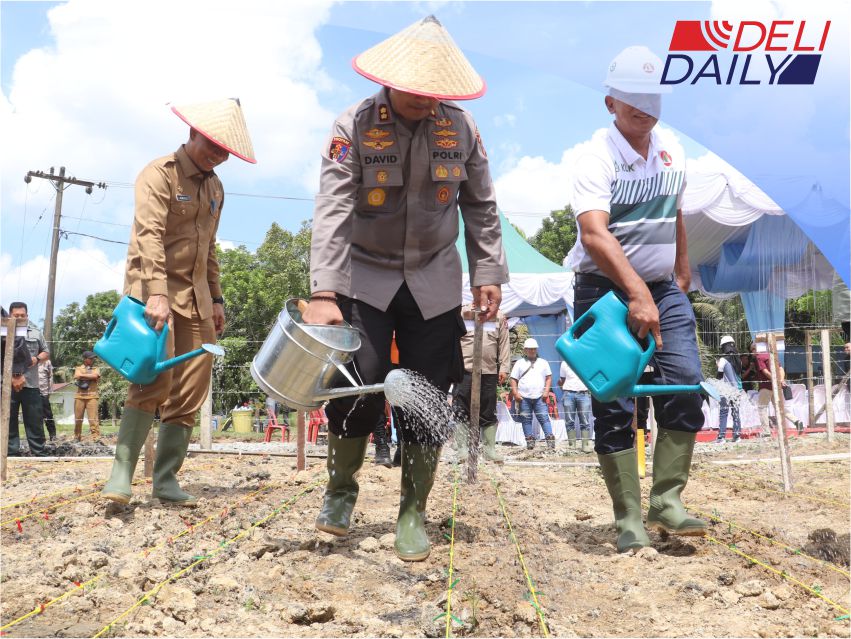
{"x": 172, "y": 444}
{"x": 571, "y": 437}
{"x": 134, "y": 428}
{"x": 587, "y": 442}
{"x": 382, "y": 445}
{"x": 671, "y": 464}
{"x": 551, "y": 442}
{"x": 620, "y": 470}
{"x": 489, "y": 440}
{"x": 419, "y": 465}
{"x": 345, "y": 458}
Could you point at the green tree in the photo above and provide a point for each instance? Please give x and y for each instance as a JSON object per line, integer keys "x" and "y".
{"x": 557, "y": 235}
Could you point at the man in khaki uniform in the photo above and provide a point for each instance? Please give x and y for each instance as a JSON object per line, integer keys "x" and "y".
{"x": 86, "y": 378}
{"x": 396, "y": 168}
{"x": 496, "y": 364}
{"x": 172, "y": 267}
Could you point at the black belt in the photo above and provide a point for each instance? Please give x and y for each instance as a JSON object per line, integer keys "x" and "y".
{"x": 592, "y": 279}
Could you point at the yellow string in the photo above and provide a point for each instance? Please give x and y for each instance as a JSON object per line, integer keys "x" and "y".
{"x": 449, "y": 586}
{"x": 153, "y": 591}
{"x": 529, "y": 584}
{"x": 783, "y": 575}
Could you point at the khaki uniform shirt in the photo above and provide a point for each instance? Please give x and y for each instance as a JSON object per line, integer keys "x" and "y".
{"x": 387, "y": 208}
{"x": 496, "y": 349}
{"x": 92, "y": 391}
{"x": 173, "y": 243}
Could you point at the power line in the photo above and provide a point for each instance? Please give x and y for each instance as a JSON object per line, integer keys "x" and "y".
{"x": 94, "y": 237}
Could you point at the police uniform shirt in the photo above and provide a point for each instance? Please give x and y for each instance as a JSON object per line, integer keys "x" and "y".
{"x": 173, "y": 242}
{"x": 387, "y": 208}
{"x": 35, "y": 345}
{"x": 496, "y": 347}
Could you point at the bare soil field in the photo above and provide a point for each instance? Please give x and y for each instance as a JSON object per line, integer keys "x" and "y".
{"x": 526, "y": 551}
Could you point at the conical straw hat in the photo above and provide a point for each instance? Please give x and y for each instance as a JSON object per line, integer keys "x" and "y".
{"x": 220, "y": 122}
{"x": 422, "y": 59}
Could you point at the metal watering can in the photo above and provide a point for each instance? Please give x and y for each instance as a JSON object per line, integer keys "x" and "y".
{"x": 135, "y": 349}
{"x": 609, "y": 359}
{"x": 299, "y": 363}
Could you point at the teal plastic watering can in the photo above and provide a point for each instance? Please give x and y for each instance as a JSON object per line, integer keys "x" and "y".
{"x": 609, "y": 359}
{"x": 135, "y": 349}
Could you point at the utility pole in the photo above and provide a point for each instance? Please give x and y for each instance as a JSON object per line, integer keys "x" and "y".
{"x": 59, "y": 182}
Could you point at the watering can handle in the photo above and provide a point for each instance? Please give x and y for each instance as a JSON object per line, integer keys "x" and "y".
{"x": 161, "y": 339}
{"x": 109, "y": 328}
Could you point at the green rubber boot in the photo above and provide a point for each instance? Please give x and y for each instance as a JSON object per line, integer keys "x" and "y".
{"x": 571, "y": 438}
{"x": 671, "y": 464}
{"x": 620, "y": 470}
{"x": 135, "y": 425}
{"x": 172, "y": 444}
{"x": 587, "y": 443}
{"x": 419, "y": 465}
{"x": 462, "y": 442}
{"x": 489, "y": 440}
{"x": 345, "y": 458}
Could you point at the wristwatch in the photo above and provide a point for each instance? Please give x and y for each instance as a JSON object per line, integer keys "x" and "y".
{"x": 219, "y": 300}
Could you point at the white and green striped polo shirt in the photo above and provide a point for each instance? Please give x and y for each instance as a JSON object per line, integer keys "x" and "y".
{"x": 641, "y": 198}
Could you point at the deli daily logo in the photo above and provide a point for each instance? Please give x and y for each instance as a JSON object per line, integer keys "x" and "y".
{"x": 778, "y": 52}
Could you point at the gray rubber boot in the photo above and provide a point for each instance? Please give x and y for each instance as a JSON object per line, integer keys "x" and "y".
{"x": 489, "y": 450}
{"x": 571, "y": 438}
{"x": 419, "y": 465}
{"x": 671, "y": 465}
{"x": 620, "y": 470}
{"x": 132, "y": 433}
{"x": 172, "y": 444}
{"x": 345, "y": 458}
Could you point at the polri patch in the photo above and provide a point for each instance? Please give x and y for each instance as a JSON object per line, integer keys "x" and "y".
{"x": 339, "y": 149}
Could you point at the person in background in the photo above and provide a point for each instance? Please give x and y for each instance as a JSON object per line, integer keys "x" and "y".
{"x": 766, "y": 394}
{"x": 531, "y": 378}
{"x": 86, "y": 378}
{"x": 730, "y": 371}
{"x": 577, "y": 408}
{"x": 750, "y": 380}
{"x": 45, "y": 387}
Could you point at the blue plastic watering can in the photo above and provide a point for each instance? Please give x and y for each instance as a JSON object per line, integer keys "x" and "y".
{"x": 609, "y": 359}
{"x": 135, "y": 349}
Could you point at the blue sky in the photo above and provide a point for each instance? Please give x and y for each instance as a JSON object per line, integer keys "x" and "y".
{"x": 84, "y": 85}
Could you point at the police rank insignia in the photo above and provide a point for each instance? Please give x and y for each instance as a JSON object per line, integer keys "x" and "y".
{"x": 376, "y": 197}
{"x": 446, "y": 144}
{"x": 381, "y": 176}
{"x": 378, "y": 145}
{"x": 456, "y": 171}
{"x": 445, "y": 132}
{"x": 383, "y": 112}
{"x": 443, "y": 122}
{"x": 377, "y": 134}
{"x": 443, "y": 194}
{"x": 339, "y": 149}
{"x": 441, "y": 172}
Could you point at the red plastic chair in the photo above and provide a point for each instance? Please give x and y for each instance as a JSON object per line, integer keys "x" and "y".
{"x": 316, "y": 420}
{"x": 273, "y": 424}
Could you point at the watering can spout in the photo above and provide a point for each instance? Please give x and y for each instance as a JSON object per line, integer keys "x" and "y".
{"x": 213, "y": 349}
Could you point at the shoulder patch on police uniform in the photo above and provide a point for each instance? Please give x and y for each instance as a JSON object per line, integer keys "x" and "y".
{"x": 481, "y": 144}
{"x": 339, "y": 149}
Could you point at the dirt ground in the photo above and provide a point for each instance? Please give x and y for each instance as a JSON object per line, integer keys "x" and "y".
{"x": 247, "y": 562}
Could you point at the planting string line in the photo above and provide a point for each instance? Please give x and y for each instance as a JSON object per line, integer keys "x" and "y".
{"x": 794, "y": 551}
{"x": 783, "y": 574}
{"x": 143, "y": 554}
{"x": 153, "y": 591}
{"x": 535, "y": 603}
{"x": 450, "y": 583}
{"x": 738, "y": 482}
{"x": 819, "y": 495}
{"x": 53, "y": 494}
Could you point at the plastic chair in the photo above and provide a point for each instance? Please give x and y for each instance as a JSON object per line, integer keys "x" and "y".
{"x": 273, "y": 424}
{"x": 316, "y": 419}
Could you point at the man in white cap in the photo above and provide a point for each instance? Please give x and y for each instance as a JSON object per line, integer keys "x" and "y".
{"x": 395, "y": 170}
{"x": 531, "y": 380}
{"x": 172, "y": 268}
{"x": 632, "y": 240}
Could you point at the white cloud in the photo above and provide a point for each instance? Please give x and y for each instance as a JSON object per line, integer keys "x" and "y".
{"x": 226, "y": 245}
{"x": 506, "y": 119}
{"x": 528, "y": 191}
{"x": 80, "y": 271}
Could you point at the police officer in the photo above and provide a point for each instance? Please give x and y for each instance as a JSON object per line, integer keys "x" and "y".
{"x": 632, "y": 240}
{"x": 86, "y": 378}
{"x": 394, "y": 172}
{"x": 496, "y": 363}
{"x": 172, "y": 267}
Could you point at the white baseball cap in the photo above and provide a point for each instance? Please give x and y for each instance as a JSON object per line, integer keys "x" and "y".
{"x": 636, "y": 69}
{"x": 727, "y": 339}
{"x": 530, "y": 343}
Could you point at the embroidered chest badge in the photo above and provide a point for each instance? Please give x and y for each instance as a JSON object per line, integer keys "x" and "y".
{"x": 666, "y": 158}
{"x": 446, "y": 144}
{"x": 382, "y": 176}
{"x": 441, "y": 172}
{"x": 443, "y": 122}
{"x": 377, "y": 134}
{"x": 376, "y": 197}
{"x": 443, "y": 194}
{"x": 378, "y": 145}
{"x": 445, "y": 133}
{"x": 339, "y": 149}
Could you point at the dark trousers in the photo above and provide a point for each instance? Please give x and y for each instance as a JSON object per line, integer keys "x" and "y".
{"x": 677, "y": 363}
{"x": 430, "y": 347}
{"x": 47, "y": 413}
{"x": 27, "y": 400}
{"x": 487, "y": 398}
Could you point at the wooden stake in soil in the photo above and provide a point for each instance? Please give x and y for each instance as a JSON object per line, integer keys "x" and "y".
{"x": 828, "y": 383}
{"x": 301, "y": 462}
{"x": 475, "y": 399}
{"x": 780, "y": 415}
{"x": 6, "y": 400}
{"x": 811, "y": 400}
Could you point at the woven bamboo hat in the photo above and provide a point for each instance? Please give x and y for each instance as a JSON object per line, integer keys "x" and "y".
{"x": 222, "y": 123}
{"x": 422, "y": 59}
